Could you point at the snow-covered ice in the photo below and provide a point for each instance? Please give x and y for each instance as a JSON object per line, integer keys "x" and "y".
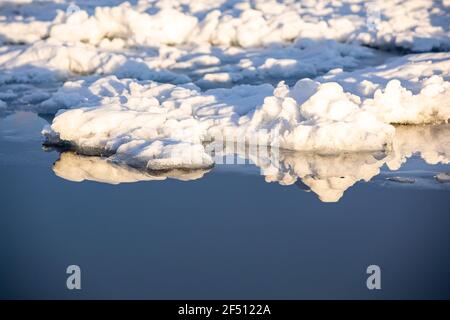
{"x": 153, "y": 83}
{"x": 417, "y": 25}
{"x": 413, "y": 89}
{"x": 339, "y": 112}
{"x": 211, "y": 43}
{"x": 207, "y": 66}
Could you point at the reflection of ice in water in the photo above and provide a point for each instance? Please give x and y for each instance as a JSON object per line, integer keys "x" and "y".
{"x": 74, "y": 167}
{"x": 432, "y": 142}
{"x": 329, "y": 176}
{"x": 326, "y": 175}
{"x": 443, "y": 177}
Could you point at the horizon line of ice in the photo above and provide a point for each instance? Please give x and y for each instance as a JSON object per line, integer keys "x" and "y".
{"x": 411, "y": 25}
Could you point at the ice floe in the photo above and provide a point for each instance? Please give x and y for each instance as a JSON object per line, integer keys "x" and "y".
{"x": 412, "y": 89}
{"x": 332, "y": 114}
{"x": 111, "y": 114}
{"x": 400, "y": 179}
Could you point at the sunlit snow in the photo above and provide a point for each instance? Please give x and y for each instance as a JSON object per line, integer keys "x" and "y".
{"x": 338, "y": 88}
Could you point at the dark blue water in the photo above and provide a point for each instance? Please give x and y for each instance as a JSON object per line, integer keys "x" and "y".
{"x": 227, "y": 235}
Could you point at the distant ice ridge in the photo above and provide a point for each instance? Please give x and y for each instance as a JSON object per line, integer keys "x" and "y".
{"x": 210, "y": 43}
{"x": 145, "y": 123}
{"x": 417, "y": 25}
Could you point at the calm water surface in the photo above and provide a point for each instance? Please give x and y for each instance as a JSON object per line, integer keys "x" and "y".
{"x": 226, "y": 233}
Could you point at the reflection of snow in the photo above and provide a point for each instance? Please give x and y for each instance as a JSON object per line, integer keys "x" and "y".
{"x": 431, "y": 142}
{"x": 74, "y": 167}
{"x": 329, "y": 176}
{"x": 443, "y": 177}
